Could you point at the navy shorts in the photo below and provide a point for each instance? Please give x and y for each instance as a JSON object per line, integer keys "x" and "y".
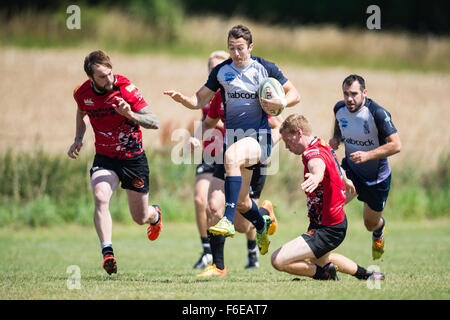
{"x": 375, "y": 196}
{"x": 323, "y": 239}
{"x": 133, "y": 173}
{"x": 265, "y": 142}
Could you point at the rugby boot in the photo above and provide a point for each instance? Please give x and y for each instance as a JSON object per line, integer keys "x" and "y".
{"x": 273, "y": 220}
{"x": 252, "y": 260}
{"x": 212, "y": 272}
{"x": 331, "y": 270}
{"x": 204, "y": 261}
{"x": 378, "y": 246}
{"x": 262, "y": 239}
{"x": 223, "y": 228}
{"x": 154, "y": 230}
{"x": 110, "y": 264}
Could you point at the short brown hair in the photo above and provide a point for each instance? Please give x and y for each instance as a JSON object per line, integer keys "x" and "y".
{"x": 352, "y": 78}
{"x": 294, "y": 122}
{"x": 96, "y": 57}
{"x": 240, "y": 31}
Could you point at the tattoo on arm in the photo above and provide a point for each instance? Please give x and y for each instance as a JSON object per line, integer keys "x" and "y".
{"x": 146, "y": 118}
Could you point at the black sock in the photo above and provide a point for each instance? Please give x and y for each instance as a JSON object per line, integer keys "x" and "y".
{"x": 321, "y": 274}
{"x": 251, "y": 245}
{"x": 217, "y": 244}
{"x": 205, "y": 244}
{"x": 361, "y": 273}
{"x": 107, "y": 250}
{"x": 263, "y": 212}
{"x": 253, "y": 215}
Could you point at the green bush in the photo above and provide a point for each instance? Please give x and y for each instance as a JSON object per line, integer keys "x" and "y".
{"x": 38, "y": 189}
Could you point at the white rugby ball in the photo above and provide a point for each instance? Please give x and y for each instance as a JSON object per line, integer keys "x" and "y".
{"x": 270, "y": 88}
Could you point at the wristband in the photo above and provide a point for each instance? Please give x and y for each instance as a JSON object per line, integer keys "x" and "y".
{"x": 283, "y": 102}
{"x": 79, "y": 138}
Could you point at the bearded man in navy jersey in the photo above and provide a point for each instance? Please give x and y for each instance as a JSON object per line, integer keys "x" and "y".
{"x": 370, "y": 137}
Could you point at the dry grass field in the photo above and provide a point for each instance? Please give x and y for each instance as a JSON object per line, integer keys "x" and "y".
{"x": 37, "y": 108}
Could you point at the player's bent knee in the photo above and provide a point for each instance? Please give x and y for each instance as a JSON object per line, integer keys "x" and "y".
{"x": 214, "y": 210}
{"x": 276, "y": 262}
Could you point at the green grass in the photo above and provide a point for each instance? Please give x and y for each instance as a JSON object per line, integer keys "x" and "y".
{"x": 34, "y": 264}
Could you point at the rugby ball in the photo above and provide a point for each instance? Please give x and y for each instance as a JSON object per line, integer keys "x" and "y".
{"x": 270, "y": 88}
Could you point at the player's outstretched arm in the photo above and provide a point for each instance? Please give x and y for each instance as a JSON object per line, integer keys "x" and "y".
{"x": 315, "y": 175}
{"x": 196, "y": 101}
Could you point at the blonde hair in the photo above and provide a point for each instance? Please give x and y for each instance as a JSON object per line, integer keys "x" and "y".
{"x": 294, "y": 122}
{"x": 219, "y": 54}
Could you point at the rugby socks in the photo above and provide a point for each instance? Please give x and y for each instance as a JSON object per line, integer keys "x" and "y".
{"x": 254, "y": 216}
{"x": 361, "y": 273}
{"x": 205, "y": 244}
{"x": 251, "y": 246}
{"x": 217, "y": 249}
{"x": 232, "y": 189}
{"x": 377, "y": 234}
{"x": 107, "y": 248}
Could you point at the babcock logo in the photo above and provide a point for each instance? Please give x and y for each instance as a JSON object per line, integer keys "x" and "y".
{"x": 366, "y": 143}
{"x": 242, "y": 95}
{"x": 229, "y": 76}
{"x": 344, "y": 122}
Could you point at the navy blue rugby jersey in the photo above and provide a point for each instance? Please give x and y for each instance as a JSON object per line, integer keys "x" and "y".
{"x": 239, "y": 89}
{"x": 365, "y": 130}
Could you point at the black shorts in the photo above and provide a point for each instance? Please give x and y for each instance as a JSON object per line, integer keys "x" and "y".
{"x": 204, "y": 168}
{"x": 256, "y": 185}
{"x": 323, "y": 239}
{"x": 375, "y": 196}
{"x": 133, "y": 173}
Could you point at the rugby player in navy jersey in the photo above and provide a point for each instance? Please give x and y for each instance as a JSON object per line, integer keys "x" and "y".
{"x": 370, "y": 137}
{"x": 248, "y": 134}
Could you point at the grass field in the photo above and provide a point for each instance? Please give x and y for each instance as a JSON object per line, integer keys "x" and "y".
{"x": 34, "y": 265}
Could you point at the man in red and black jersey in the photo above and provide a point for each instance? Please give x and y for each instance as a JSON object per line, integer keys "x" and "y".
{"x": 116, "y": 111}
{"x": 325, "y": 184}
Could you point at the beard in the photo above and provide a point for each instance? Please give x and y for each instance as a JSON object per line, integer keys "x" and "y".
{"x": 356, "y": 107}
{"x": 102, "y": 89}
